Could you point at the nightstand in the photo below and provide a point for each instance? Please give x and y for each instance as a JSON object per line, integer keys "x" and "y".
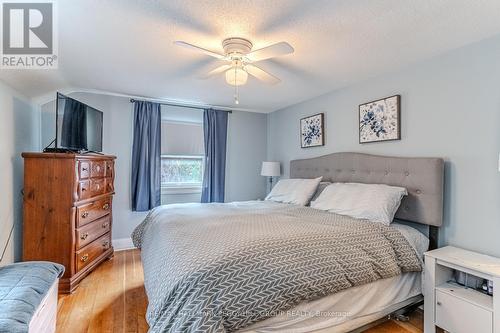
{"x": 453, "y": 307}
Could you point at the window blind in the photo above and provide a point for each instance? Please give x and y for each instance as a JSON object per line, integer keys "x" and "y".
{"x": 182, "y": 139}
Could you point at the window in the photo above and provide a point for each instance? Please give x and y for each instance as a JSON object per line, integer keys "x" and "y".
{"x": 181, "y": 171}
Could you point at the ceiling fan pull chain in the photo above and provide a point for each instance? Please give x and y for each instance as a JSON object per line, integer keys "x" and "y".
{"x": 236, "y": 97}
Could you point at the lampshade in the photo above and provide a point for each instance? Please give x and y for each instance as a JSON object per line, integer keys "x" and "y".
{"x": 236, "y": 76}
{"x": 270, "y": 169}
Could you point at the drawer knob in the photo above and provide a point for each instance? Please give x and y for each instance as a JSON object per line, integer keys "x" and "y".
{"x": 105, "y": 244}
{"x": 84, "y": 236}
{"x": 85, "y": 169}
{"x": 105, "y": 225}
{"x": 85, "y": 215}
{"x": 84, "y": 258}
{"x": 438, "y": 303}
{"x": 105, "y": 206}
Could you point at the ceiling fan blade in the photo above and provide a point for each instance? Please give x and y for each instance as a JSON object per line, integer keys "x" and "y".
{"x": 199, "y": 49}
{"x": 215, "y": 71}
{"x": 261, "y": 74}
{"x": 270, "y": 51}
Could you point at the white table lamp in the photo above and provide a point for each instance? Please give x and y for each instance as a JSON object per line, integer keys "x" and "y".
{"x": 270, "y": 169}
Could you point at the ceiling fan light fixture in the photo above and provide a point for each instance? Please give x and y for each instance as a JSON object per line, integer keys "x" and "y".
{"x": 240, "y": 61}
{"x": 236, "y": 76}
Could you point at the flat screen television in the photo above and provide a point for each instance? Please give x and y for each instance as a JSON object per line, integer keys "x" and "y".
{"x": 79, "y": 126}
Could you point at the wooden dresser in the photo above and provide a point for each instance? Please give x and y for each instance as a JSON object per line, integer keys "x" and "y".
{"x": 68, "y": 212}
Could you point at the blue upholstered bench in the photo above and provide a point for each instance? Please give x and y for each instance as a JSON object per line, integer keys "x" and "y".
{"x": 28, "y": 296}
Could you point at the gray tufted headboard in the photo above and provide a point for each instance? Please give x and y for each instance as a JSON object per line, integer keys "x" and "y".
{"x": 422, "y": 177}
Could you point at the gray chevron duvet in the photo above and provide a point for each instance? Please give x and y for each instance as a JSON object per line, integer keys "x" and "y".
{"x": 222, "y": 267}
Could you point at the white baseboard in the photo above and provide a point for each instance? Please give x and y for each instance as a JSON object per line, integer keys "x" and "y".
{"x": 122, "y": 244}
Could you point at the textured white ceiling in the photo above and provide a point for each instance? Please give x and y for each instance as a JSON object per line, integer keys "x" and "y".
{"x": 125, "y": 46}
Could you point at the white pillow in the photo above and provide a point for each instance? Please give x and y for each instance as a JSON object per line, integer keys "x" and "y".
{"x": 294, "y": 191}
{"x": 374, "y": 202}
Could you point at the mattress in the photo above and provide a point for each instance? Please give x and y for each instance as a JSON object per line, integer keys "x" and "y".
{"x": 353, "y": 307}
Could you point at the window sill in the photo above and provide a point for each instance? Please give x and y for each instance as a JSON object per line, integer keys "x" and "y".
{"x": 181, "y": 190}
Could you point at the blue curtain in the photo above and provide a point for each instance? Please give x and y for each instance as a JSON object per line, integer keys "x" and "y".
{"x": 146, "y": 159}
{"x": 215, "y": 136}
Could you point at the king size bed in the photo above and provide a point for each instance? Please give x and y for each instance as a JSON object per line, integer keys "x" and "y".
{"x": 265, "y": 266}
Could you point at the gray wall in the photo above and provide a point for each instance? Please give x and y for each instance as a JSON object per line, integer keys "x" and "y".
{"x": 450, "y": 109}
{"x": 246, "y": 149}
{"x": 19, "y": 132}
{"x": 247, "y": 144}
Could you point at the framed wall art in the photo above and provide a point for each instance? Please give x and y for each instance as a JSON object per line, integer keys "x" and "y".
{"x": 312, "y": 131}
{"x": 380, "y": 120}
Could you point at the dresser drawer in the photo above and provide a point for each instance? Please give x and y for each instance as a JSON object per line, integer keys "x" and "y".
{"x": 92, "y": 211}
{"x": 84, "y": 190}
{"x": 94, "y": 187}
{"x": 97, "y": 187}
{"x": 110, "y": 169}
{"x": 89, "y": 253}
{"x": 98, "y": 169}
{"x": 89, "y": 232}
{"x": 451, "y": 311}
{"x": 95, "y": 169}
{"x": 83, "y": 169}
{"x": 110, "y": 186}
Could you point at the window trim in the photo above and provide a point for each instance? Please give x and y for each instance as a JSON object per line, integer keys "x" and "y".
{"x": 184, "y": 188}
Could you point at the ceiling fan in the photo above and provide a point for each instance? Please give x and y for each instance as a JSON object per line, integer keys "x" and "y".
{"x": 240, "y": 57}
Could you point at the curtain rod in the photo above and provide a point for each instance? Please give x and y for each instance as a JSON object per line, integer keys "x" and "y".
{"x": 132, "y": 100}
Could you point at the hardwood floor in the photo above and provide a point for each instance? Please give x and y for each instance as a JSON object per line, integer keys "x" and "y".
{"x": 414, "y": 325}
{"x": 112, "y": 299}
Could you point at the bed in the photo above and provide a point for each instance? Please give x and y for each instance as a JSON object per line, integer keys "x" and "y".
{"x": 269, "y": 267}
